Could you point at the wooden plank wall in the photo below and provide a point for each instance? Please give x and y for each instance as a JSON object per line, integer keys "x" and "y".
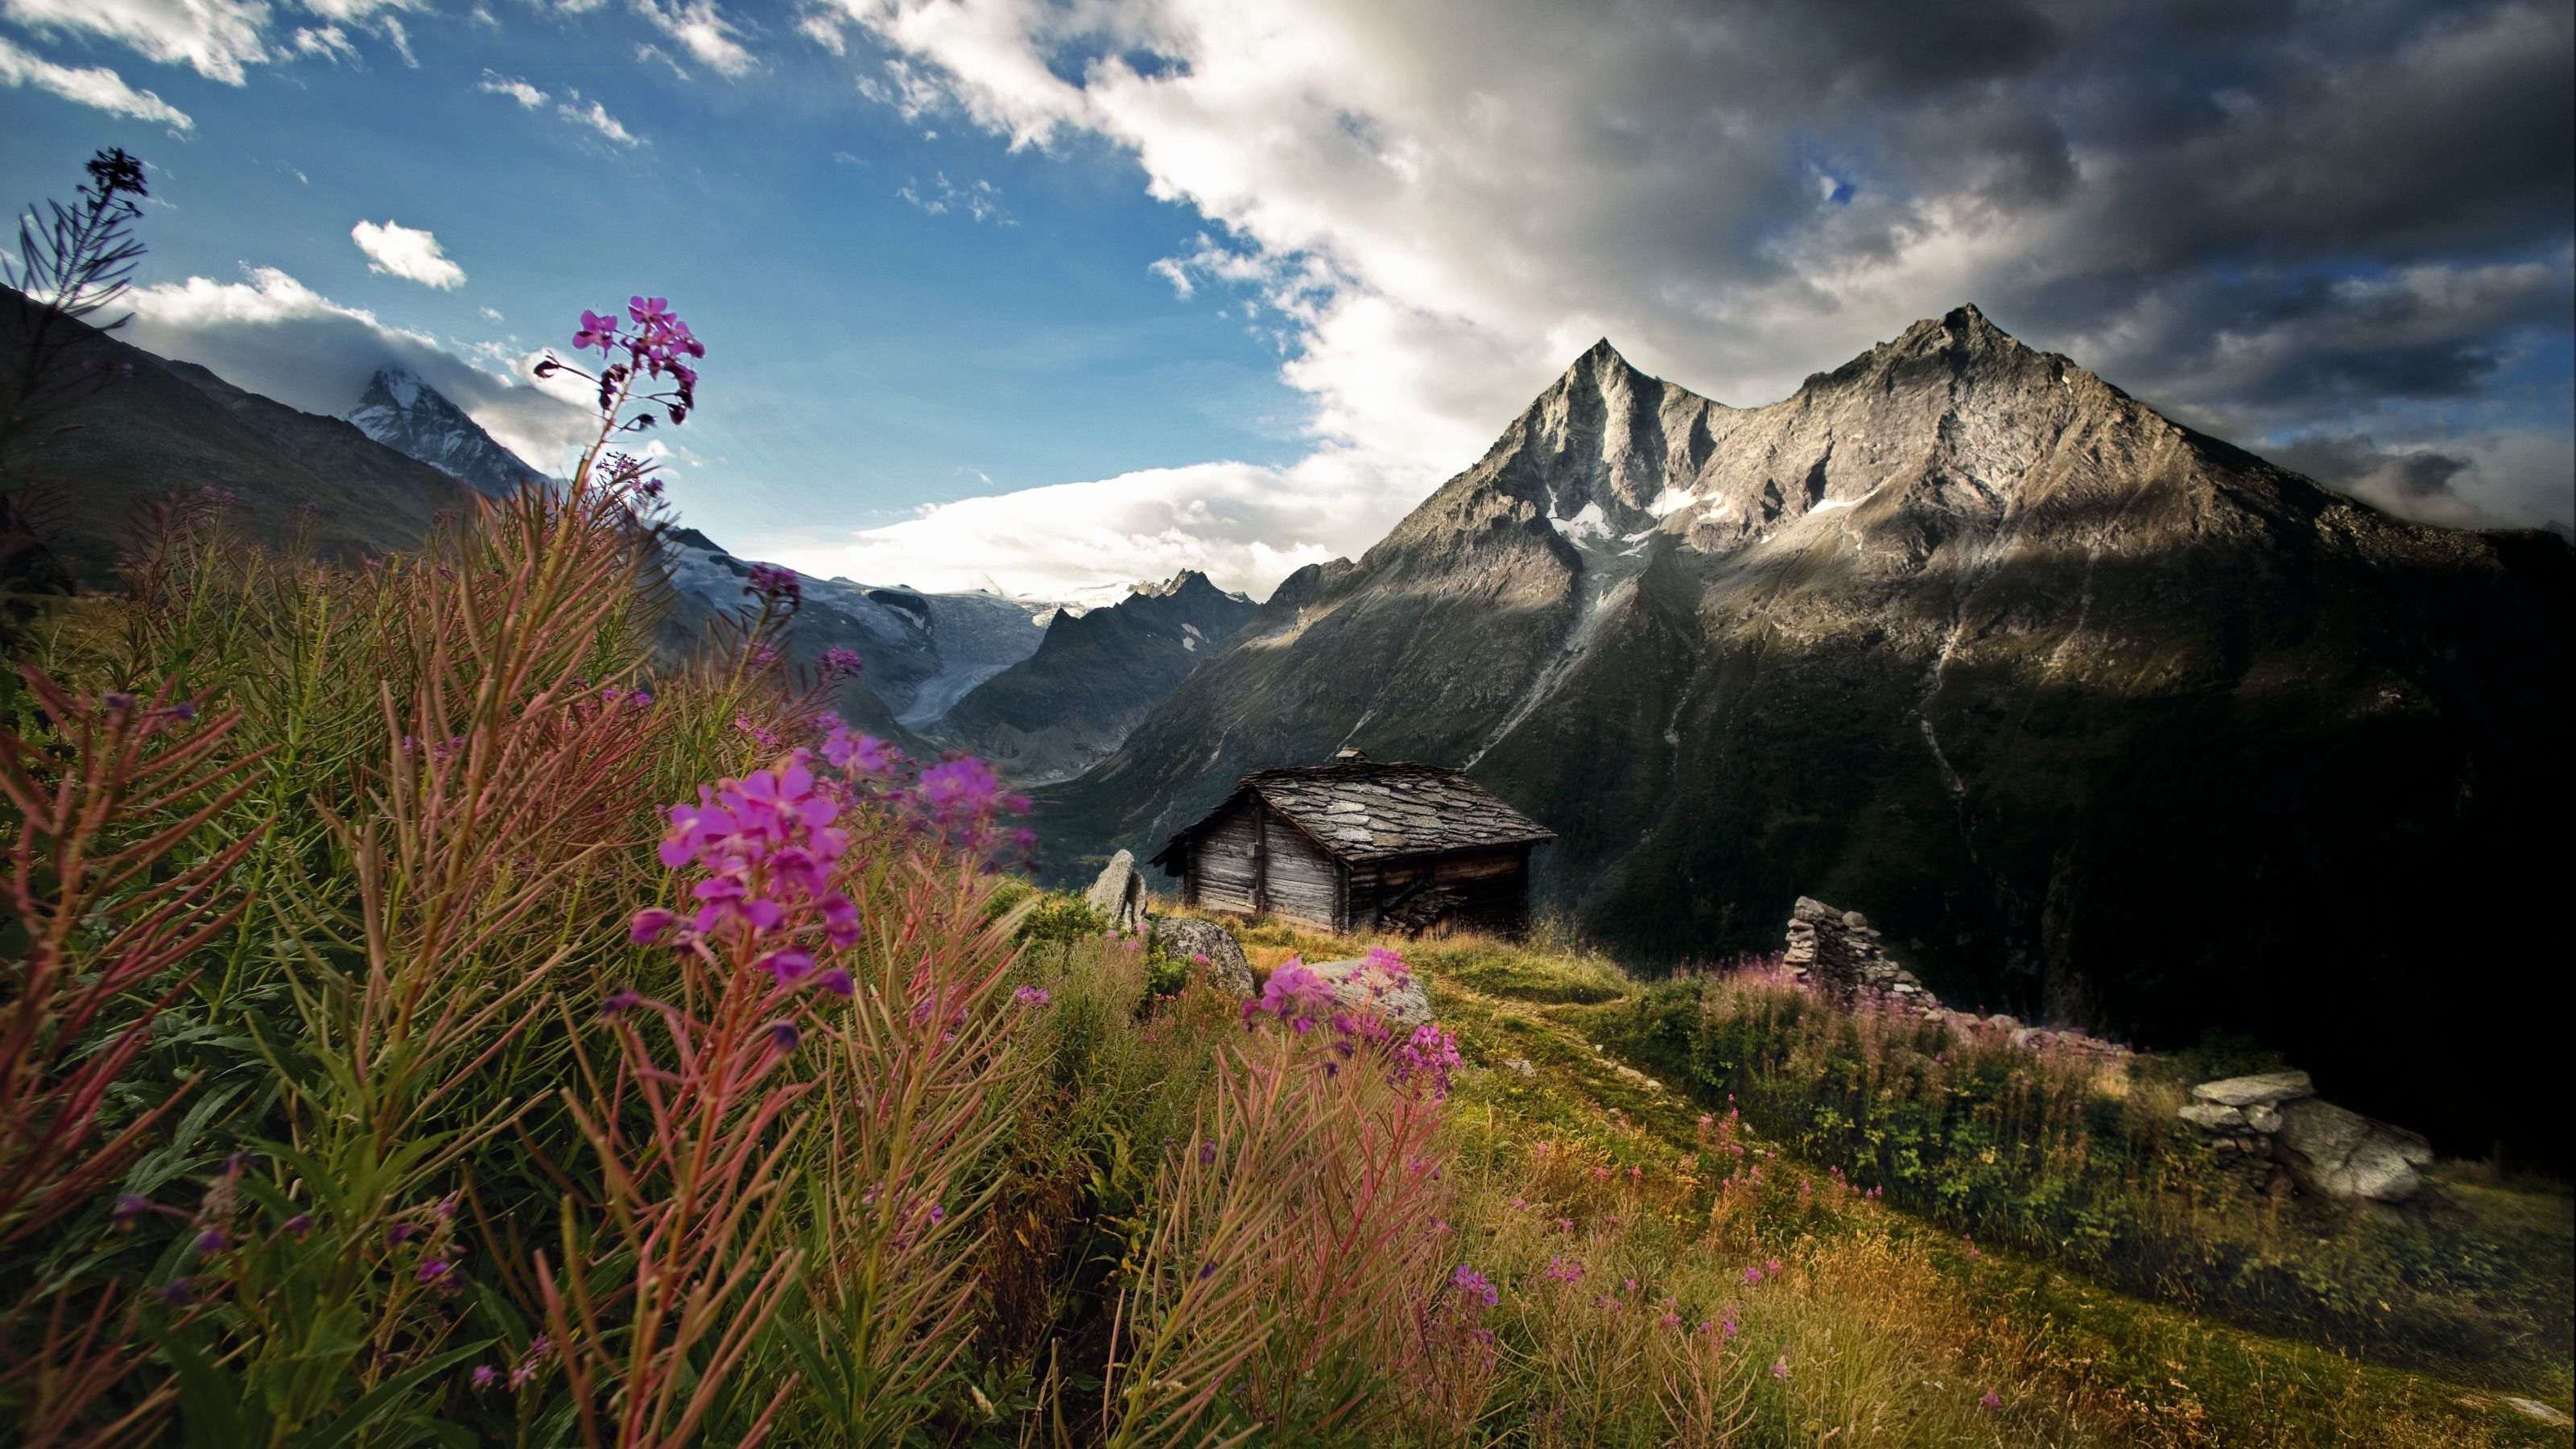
{"x": 1300, "y": 881}
{"x": 1224, "y": 874}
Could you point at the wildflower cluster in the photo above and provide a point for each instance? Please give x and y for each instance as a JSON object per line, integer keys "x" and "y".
{"x": 958, "y": 800}
{"x": 655, "y": 349}
{"x": 767, "y": 844}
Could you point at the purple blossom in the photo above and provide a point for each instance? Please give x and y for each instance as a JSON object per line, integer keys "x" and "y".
{"x": 772, "y": 584}
{"x": 650, "y": 924}
{"x": 1207, "y": 1153}
{"x": 1780, "y": 1368}
{"x": 619, "y": 1002}
{"x": 1991, "y": 1402}
{"x": 1030, "y": 996}
{"x": 485, "y": 1376}
{"x": 842, "y": 663}
{"x": 177, "y": 1292}
{"x": 784, "y": 1036}
{"x": 433, "y": 1270}
{"x": 212, "y": 1241}
{"x": 297, "y": 1226}
{"x": 787, "y": 966}
{"x": 128, "y": 1207}
{"x": 836, "y": 980}
{"x": 1562, "y": 1270}
{"x": 1472, "y": 1284}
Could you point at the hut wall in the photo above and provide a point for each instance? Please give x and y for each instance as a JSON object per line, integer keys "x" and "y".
{"x": 1493, "y": 886}
{"x": 1490, "y": 887}
{"x": 1225, "y": 871}
{"x": 1300, "y": 881}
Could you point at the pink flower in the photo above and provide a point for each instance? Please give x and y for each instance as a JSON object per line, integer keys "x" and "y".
{"x": 650, "y": 924}
{"x": 788, "y": 966}
{"x": 842, "y": 663}
{"x": 1030, "y": 996}
{"x": 836, "y": 980}
{"x": 1780, "y": 1368}
{"x": 1991, "y": 1402}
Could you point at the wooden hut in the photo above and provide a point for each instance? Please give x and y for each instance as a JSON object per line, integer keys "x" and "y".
{"x": 1356, "y": 845}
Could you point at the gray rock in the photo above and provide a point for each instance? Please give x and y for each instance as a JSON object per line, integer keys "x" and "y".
{"x": 2266, "y": 1089}
{"x": 1214, "y": 955}
{"x": 2342, "y": 1154}
{"x": 1397, "y": 998}
{"x": 1520, "y": 1066}
{"x": 2213, "y": 1117}
{"x": 1119, "y": 894}
{"x": 2533, "y": 1408}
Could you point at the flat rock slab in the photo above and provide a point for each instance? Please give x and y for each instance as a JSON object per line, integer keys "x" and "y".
{"x": 1397, "y": 997}
{"x": 2267, "y": 1089}
{"x": 1214, "y": 955}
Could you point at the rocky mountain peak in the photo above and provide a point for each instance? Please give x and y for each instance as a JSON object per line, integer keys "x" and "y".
{"x": 409, "y": 416}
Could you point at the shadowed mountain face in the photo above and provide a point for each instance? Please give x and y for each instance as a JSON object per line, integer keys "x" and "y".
{"x": 105, "y": 451}
{"x": 1059, "y": 711}
{"x": 2096, "y": 716}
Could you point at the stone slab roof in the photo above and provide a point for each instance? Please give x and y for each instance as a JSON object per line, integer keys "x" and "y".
{"x": 1365, "y": 810}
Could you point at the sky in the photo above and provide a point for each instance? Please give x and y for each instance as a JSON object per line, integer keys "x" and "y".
{"x": 1046, "y": 295}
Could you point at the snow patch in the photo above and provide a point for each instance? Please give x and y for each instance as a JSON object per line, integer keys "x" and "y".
{"x": 1674, "y": 500}
{"x": 1584, "y": 528}
{"x": 1830, "y": 504}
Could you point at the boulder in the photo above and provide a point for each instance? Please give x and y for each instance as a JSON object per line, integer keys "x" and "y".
{"x": 1396, "y": 996}
{"x": 2342, "y": 1154}
{"x": 1214, "y": 955}
{"x": 1119, "y": 894}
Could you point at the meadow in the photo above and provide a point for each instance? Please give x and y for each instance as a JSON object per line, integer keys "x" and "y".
{"x": 436, "y": 1016}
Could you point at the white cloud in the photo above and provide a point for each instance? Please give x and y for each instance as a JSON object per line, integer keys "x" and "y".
{"x": 329, "y": 42}
{"x": 95, "y": 86}
{"x": 656, "y": 53}
{"x": 276, "y": 336}
{"x": 1431, "y": 209}
{"x": 215, "y": 37}
{"x": 704, "y": 32}
{"x": 1245, "y": 526}
{"x": 596, "y": 117}
{"x": 981, "y": 200}
{"x": 406, "y": 252}
{"x": 495, "y": 83}
{"x": 489, "y": 315}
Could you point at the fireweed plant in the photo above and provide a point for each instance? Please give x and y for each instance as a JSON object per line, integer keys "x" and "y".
{"x": 390, "y": 1060}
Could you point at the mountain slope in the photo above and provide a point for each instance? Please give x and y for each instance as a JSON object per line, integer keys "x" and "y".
{"x": 2094, "y": 714}
{"x": 417, "y": 421}
{"x": 921, "y": 651}
{"x": 1093, "y": 677}
{"x": 172, "y": 426}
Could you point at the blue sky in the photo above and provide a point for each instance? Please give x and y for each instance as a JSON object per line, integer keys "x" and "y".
{"x": 1001, "y": 290}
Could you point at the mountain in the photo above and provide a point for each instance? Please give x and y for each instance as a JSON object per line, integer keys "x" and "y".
{"x": 150, "y": 427}
{"x": 2096, "y": 716}
{"x": 1093, "y": 677}
{"x": 416, "y": 420}
{"x": 922, "y": 651}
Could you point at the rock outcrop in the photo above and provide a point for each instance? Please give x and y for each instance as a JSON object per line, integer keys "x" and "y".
{"x": 1838, "y": 952}
{"x": 2273, "y": 1125}
{"x": 1214, "y": 955}
{"x": 1119, "y": 893}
